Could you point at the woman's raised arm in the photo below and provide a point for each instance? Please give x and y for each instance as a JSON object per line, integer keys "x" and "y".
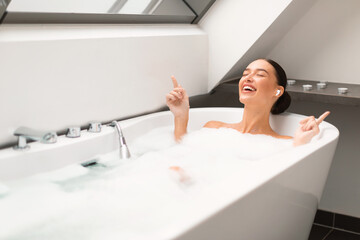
{"x": 178, "y": 103}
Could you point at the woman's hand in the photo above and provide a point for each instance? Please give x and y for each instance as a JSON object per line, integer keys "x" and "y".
{"x": 309, "y": 127}
{"x": 177, "y": 100}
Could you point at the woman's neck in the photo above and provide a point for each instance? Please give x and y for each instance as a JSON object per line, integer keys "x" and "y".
{"x": 256, "y": 121}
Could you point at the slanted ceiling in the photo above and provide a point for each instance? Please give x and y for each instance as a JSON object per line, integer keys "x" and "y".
{"x": 241, "y": 31}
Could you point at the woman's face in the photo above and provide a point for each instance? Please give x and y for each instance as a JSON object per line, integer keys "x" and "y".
{"x": 258, "y": 84}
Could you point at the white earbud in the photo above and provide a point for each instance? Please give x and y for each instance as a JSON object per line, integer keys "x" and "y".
{"x": 278, "y": 92}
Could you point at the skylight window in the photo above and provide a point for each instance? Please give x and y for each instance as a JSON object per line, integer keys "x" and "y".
{"x": 105, "y": 11}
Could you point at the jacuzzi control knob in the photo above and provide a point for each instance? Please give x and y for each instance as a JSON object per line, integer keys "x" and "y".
{"x": 95, "y": 127}
{"x": 73, "y": 132}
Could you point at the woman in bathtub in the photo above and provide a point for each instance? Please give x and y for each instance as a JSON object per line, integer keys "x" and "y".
{"x": 262, "y": 91}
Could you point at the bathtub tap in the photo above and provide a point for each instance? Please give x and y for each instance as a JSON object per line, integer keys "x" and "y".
{"x": 123, "y": 148}
{"x": 24, "y": 133}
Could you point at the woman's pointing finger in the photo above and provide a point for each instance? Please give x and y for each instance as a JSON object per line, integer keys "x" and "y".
{"x": 322, "y": 117}
{"x": 175, "y": 83}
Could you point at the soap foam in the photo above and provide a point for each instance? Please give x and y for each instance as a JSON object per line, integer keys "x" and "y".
{"x": 134, "y": 198}
{"x": 155, "y": 140}
{"x": 63, "y": 174}
{"x": 4, "y": 189}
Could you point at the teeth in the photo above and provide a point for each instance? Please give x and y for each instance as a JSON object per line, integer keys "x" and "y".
{"x": 248, "y": 88}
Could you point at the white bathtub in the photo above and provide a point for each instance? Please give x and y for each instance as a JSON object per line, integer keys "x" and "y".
{"x": 274, "y": 198}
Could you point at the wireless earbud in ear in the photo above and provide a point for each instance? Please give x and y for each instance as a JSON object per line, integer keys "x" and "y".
{"x": 278, "y": 92}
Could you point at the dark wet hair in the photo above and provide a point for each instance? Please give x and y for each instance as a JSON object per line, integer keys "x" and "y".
{"x": 284, "y": 100}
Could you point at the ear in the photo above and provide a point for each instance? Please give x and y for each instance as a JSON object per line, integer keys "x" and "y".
{"x": 279, "y": 91}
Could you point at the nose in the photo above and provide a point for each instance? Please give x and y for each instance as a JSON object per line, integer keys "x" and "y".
{"x": 249, "y": 78}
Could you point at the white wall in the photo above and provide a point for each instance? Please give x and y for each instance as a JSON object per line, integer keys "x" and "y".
{"x": 271, "y": 36}
{"x": 53, "y": 77}
{"x": 324, "y": 44}
{"x": 233, "y": 27}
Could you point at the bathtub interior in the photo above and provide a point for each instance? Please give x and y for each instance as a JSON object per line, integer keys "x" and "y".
{"x": 266, "y": 168}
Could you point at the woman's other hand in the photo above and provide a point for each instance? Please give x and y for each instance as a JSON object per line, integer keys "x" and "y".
{"x": 177, "y": 100}
{"x": 309, "y": 127}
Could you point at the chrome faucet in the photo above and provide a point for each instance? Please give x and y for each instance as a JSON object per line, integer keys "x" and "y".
{"x": 124, "y": 150}
{"x": 24, "y": 134}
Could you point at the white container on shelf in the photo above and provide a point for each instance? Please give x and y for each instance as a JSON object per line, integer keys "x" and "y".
{"x": 343, "y": 90}
{"x": 307, "y": 87}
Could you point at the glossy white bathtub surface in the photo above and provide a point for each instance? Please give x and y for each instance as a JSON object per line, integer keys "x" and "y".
{"x": 273, "y": 198}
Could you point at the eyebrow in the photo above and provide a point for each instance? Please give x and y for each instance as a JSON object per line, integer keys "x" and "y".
{"x": 258, "y": 69}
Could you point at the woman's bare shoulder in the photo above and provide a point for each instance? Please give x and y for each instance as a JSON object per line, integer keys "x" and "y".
{"x": 215, "y": 124}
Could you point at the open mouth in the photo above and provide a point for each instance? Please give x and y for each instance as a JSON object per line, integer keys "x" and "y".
{"x": 248, "y": 89}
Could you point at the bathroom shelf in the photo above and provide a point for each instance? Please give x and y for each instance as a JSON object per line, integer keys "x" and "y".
{"x": 328, "y": 95}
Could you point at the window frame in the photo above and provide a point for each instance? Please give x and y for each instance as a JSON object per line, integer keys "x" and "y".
{"x": 89, "y": 18}
{"x": 96, "y": 18}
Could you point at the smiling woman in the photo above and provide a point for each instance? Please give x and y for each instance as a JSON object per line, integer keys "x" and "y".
{"x": 278, "y": 82}
{"x": 262, "y": 90}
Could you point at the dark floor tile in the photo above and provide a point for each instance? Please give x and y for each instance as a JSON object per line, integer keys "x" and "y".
{"x": 324, "y": 218}
{"x": 340, "y": 235}
{"x": 347, "y": 223}
{"x": 318, "y": 232}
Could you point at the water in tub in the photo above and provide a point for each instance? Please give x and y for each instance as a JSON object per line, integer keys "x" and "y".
{"x": 129, "y": 199}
